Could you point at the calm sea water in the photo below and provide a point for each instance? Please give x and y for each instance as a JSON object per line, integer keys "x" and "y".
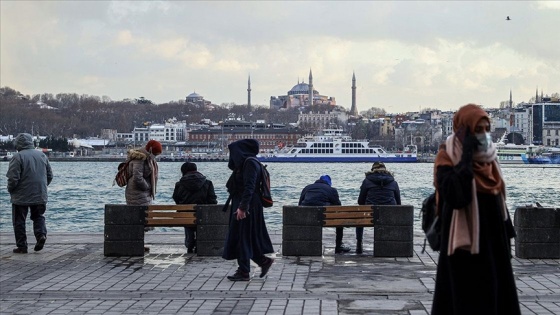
{"x": 80, "y": 190}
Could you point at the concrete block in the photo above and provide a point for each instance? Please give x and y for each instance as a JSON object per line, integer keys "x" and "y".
{"x": 123, "y": 248}
{"x": 537, "y": 235}
{"x": 125, "y": 215}
{"x": 393, "y": 233}
{"x": 211, "y": 215}
{"x": 537, "y": 250}
{"x": 530, "y": 217}
{"x": 308, "y": 216}
{"x": 124, "y": 232}
{"x": 211, "y": 232}
{"x": 302, "y": 233}
{"x": 209, "y": 248}
{"x": 392, "y": 249}
{"x": 302, "y": 248}
{"x": 393, "y": 215}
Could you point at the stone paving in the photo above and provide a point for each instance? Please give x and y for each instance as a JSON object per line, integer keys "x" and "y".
{"x": 71, "y": 276}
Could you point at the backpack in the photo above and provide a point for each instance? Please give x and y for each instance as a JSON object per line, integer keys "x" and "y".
{"x": 266, "y": 196}
{"x": 431, "y": 223}
{"x": 122, "y": 174}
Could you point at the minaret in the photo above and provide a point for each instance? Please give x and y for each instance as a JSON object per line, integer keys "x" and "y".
{"x": 354, "y": 109}
{"x": 310, "y": 88}
{"x": 510, "y": 100}
{"x": 249, "y": 94}
{"x": 537, "y": 95}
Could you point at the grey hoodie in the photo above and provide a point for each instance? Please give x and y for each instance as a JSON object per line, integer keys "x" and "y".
{"x": 29, "y": 173}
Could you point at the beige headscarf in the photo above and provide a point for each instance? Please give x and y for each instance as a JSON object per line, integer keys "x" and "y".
{"x": 465, "y": 225}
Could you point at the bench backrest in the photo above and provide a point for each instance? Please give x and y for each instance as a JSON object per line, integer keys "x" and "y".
{"x": 171, "y": 215}
{"x": 348, "y": 216}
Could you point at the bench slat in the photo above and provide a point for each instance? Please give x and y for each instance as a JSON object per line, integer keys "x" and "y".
{"x": 171, "y": 207}
{"x": 348, "y": 222}
{"x": 348, "y": 208}
{"x": 170, "y": 222}
{"x": 350, "y": 215}
{"x": 169, "y": 214}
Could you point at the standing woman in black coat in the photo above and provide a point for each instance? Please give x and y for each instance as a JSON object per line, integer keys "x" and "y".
{"x": 474, "y": 272}
{"x": 247, "y": 237}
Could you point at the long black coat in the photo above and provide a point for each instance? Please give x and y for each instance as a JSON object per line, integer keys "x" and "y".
{"x": 379, "y": 188}
{"x": 194, "y": 188}
{"x": 249, "y": 237}
{"x": 481, "y": 283}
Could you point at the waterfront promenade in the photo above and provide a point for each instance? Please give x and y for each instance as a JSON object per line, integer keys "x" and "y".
{"x": 71, "y": 276}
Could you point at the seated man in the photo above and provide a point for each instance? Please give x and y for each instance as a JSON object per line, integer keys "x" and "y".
{"x": 321, "y": 193}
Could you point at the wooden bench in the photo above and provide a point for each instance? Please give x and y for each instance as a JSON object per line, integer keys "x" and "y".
{"x": 171, "y": 216}
{"x": 348, "y": 216}
{"x": 302, "y": 229}
{"x": 124, "y": 226}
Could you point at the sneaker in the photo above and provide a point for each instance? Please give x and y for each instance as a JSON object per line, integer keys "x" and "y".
{"x": 20, "y": 250}
{"x": 146, "y": 249}
{"x": 265, "y": 267}
{"x": 40, "y": 243}
{"x": 239, "y": 276}
{"x": 341, "y": 249}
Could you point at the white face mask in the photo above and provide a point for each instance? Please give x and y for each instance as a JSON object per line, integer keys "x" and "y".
{"x": 485, "y": 140}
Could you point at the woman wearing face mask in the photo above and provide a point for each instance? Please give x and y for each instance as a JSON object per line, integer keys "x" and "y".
{"x": 474, "y": 272}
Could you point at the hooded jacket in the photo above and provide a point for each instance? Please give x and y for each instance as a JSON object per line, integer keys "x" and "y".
{"x": 139, "y": 187}
{"x": 379, "y": 188}
{"x": 194, "y": 188}
{"x": 29, "y": 173}
{"x": 319, "y": 193}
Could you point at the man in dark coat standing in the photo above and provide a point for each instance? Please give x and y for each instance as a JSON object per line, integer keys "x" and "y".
{"x": 193, "y": 188}
{"x": 319, "y": 194}
{"x": 247, "y": 237}
{"x": 29, "y": 174}
{"x": 378, "y": 188}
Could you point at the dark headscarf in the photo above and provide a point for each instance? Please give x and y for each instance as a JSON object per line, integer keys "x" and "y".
{"x": 241, "y": 150}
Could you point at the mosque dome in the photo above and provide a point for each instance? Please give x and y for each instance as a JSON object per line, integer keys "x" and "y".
{"x": 194, "y": 95}
{"x": 301, "y": 88}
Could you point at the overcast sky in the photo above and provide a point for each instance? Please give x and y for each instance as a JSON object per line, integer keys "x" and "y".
{"x": 406, "y": 55}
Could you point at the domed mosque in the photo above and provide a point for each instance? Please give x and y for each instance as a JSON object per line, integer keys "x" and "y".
{"x": 300, "y": 96}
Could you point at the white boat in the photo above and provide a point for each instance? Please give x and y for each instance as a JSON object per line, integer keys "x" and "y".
{"x": 331, "y": 145}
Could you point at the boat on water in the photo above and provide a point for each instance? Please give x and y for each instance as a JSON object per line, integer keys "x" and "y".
{"x": 526, "y": 153}
{"x": 544, "y": 155}
{"x": 331, "y": 145}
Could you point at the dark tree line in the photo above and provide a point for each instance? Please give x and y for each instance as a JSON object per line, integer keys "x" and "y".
{"x": 71, "y": 115}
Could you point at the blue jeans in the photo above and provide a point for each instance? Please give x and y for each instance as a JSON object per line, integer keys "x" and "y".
{"x": 19, "y": 216}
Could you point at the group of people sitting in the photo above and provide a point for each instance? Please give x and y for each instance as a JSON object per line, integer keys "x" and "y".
{"x": 378, "y": 188}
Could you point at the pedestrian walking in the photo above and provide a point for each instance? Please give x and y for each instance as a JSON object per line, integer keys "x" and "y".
{"x": 247, "y": 237}
{"x": 474, "y": 272}
{"x": 193, "y": 188}
{"x": 29, "y": 173}
{"x": 378, "y": 188}
{"x": 321, "y": 193}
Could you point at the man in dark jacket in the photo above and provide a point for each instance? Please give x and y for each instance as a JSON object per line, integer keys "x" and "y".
{"x": 319, "y": 194}
{"x": 29, "y": 174}
{"x": 247, "y": 237}
{"x": 378, "y": 188}
{"x": 193, "y": 188}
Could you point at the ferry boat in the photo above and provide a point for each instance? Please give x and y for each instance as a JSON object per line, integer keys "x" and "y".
{"x": 544, "y": 155}
{"x": 331, "y": 145}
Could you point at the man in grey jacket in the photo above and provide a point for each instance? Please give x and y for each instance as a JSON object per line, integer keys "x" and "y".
{"x": 29, "y": 174}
